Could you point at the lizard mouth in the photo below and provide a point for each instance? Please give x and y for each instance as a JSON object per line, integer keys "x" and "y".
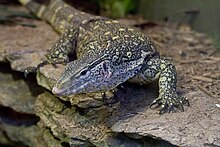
{"x": 75, "y": 88}
{"x": 71, "y": 90}
{"x": 60, "y": 92}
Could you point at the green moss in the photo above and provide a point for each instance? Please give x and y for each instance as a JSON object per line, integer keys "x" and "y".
{"x": 216, "y": 38}
{"x": 116, "y": 8}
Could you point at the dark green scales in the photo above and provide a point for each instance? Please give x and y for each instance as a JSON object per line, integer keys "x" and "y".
{"x": 108, "y": 54}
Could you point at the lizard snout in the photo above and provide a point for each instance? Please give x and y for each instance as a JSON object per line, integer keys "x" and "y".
{"x": 57, "y": 91}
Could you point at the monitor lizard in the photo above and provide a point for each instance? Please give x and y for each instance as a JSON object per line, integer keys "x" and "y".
{"x": 108, "y": 54}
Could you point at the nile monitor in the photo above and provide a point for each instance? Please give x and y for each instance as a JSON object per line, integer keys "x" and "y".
{"x": 108, "y": 54}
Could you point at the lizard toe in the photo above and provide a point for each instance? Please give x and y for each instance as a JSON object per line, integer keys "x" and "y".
{"x": 168, "y": 102}
{"x": 29, "y": 70}
{"x": 34, "y": 69}
{"x": 156, "y": 103}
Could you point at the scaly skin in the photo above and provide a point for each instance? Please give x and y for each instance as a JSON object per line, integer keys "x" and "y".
{"x": 108, "y": 54}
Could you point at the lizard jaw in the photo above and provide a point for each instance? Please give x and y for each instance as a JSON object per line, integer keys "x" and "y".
{"x": 68, "y": 90}
{"x": 57, "y": 91}
{"x": 60, "y": 92}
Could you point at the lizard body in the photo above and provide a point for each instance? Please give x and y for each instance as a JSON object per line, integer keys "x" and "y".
{"x": 108, "y": 54}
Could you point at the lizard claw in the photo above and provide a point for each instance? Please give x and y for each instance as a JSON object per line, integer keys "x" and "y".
{"x": 34, "y": 69}
{"x": 122, "y": 88}
{"x": 182, "y": 108}
{"x": 169, "y": 101}
{"x": 186, "y": 102}
{"x": 163, "y": 108}
{"x": 171, "y": 107}
{"x": 156, "y": 101}
{"x": 54, "y": 65}
{"x": 29, "y": 70}
{"x": 109, "y": 100}
{"x": 103, "y": 96}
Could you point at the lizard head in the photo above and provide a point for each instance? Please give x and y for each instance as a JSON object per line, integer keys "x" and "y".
{"x": 82, "y": 76}
{"x": 95, "y": 75}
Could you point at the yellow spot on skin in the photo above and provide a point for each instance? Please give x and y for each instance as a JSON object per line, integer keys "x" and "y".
{"x": 96, "y": 27}
{"x": 143, "y": 53}
{"x": 82, "y": 12}
{"x": 162, "y": 61}
{"x": 108, "y": 22}
{"x": 108, "y": 44}
{"x": 129, "y": 54}
{"x": 25, "y": 2}
{"x": 130, "y": 29}
{"x": 80, "y": 34}
{"x": 154, "y": 67}
{"x": 115, "y": 37}
{"x": 53, "y": 18}
{"x": 157, "y": 76}
{"x": 121, "y": 29}
{"x": 163, "y": 79}
{"x": 162, "y": 66}
{"x": 69, "y": 18}
{"x": 54, "y": 15}
{"x": 51, "y": 6}
{"x": 92, "y": 47}
{"x": 61, "y": 26}
{"x": 60, "y": 55}
{"x": 106, "y": 33}
{"x": 142, "y": 39}
{"x": 58, "y": 9}
{"x": 84, "y": 21}
{"x": 149, "y": 62}
{"x": 135, "y": 43}
{"x": 57, "y": 52}
{"x": 65, "y": 5}
{"x": 41, "y": 11}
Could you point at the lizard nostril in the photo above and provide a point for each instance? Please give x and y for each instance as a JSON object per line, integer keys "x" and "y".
{"x": 55, "y": 90}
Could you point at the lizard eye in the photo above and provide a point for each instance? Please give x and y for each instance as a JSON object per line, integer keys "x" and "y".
{"x": 104, "y": 67}
{"x": 83, "y": 72}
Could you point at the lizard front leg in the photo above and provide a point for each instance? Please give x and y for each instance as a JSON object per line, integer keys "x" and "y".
{"x": 165, "y": 73}
{"x": 65, "y": 44}
{"x": 60, "y": 50}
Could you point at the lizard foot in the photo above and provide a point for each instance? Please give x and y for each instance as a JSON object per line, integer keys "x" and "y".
{"x": 169, "y": 101}
{"x": 34, "y": 69}
{"x": 110, "y": 99}
{"x": 54, "y": 63}
{"x": 122, "y": 88}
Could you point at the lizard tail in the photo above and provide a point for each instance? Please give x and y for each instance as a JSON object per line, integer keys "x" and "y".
{"x": 57, "y": 13}
{"x": 46, "y": 12}
{"x": 36, "y": 8}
